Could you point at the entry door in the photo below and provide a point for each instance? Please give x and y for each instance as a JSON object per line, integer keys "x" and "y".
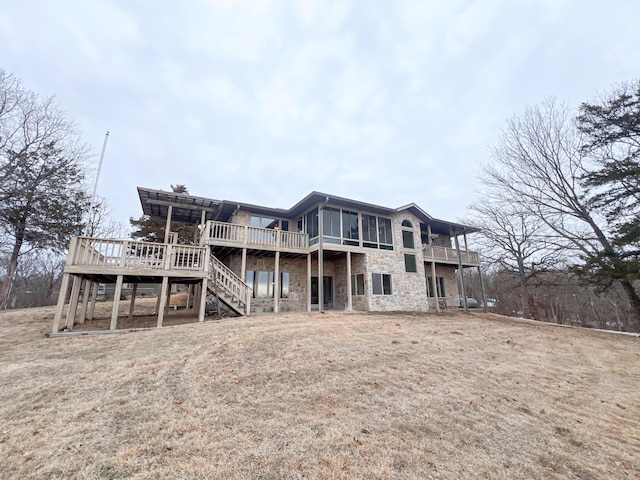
{"x": 327, "y": 291}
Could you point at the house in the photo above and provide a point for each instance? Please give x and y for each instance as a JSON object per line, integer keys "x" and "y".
{"x": 324, "y": 253}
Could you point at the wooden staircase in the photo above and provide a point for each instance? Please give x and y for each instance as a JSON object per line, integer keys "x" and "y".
{"x": 229, "y": 288}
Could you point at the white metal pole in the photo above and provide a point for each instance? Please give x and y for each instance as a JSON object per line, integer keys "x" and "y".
{"x": 95, "y": 186}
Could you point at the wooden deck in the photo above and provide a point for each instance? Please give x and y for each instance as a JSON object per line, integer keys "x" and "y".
{"x": 233, "y": 235}
{"x": 243, "y": 236}
{"x": 95, "y": 256}
{"x": 450, "y": 255}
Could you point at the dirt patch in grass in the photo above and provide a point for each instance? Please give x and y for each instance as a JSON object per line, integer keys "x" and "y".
{"x": 319, "y": 396}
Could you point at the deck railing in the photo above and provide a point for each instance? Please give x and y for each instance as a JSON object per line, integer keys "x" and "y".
{"x": 245, "y": 235}
{"x": 434, "y": 252}
{"x": 112, "y": 253}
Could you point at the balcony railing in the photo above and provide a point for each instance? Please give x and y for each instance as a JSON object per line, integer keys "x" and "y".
{"x": 111, "y": 253}
{"x": 233, "y": 234}
{"x": 446, "y": 254}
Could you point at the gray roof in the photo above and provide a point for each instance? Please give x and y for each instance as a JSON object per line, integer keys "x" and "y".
{"x": 188, "y": 208}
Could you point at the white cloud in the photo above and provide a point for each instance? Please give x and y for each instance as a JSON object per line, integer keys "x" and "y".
{"x": 325, "y": 15}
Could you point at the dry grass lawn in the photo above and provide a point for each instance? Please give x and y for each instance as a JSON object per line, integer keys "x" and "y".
{"x": 319, "y": 396}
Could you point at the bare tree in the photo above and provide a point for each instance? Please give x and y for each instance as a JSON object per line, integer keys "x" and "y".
{"x": 512, "y": 240}
{"x": 36, "y": 279}
{"x": 538, "y": 166}
{"x": 100, "y": 222}
{"x": 41, "y": 176}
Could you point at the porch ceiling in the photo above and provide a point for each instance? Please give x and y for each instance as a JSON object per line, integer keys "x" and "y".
{"x": 222, "y": 252}
{"x": 186, "y": 208}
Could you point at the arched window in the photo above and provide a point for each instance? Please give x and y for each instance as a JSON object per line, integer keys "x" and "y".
{"x": 407, "y": 223}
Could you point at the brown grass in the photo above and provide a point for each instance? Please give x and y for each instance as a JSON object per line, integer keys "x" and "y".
{"x": 319, "y": 396}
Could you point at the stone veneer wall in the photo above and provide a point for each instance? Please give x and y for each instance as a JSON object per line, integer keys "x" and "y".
{"x": 408, "y": 289}
{"x": 359, "y": 265}
{"x": 297, "y": 269}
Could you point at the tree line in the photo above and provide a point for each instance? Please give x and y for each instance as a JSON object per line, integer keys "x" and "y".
{"x": 559, "y": 205}
{"x": 43, "y": 193}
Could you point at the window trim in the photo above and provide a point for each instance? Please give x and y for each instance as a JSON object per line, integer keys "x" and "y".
{"x": 384, "y": 282}
{"x": 355, "y": 291}
{"x": 408, "y": 257}
{"x": 367, "y": 240}
{"x": 408, "y": 235}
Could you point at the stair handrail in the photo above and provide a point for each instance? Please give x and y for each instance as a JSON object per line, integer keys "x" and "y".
{"x": 230, "y": 282}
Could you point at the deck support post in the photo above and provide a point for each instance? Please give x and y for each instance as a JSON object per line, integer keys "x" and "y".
{"x": 434, "y": 279}
{"x": 132, "y": 302}
{"x": 167, "y": 228}
{"x": 158, "y": 300}
{"x": 86, "y": 286}
{"x": 320, "y": 259}
{"x": 484, "y": 295}
{"x": 116, "y": 303}
{"x": 308, "y": 282}
{"x": 161, "y": 298}
{"x": 94, "y": 296}
{"x": 203, "y": 300}
{"x": 201, "y": 232}
{"x": 460, "y": 274}
{"x": 168, "y": 304}
{"x": 73, "y": 301}
{"x": 189, "y": 291}
{"x": 243, "y": 265}
{"x": 349, "y": 286}
{"x": 276, "y": 284}
{"x": 197, "y": 291}
{"x": 62, "y": 296}
{"x": 434, "y": 283}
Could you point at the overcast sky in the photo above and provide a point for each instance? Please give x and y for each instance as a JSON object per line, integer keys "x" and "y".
{"x": 389, "y": 102}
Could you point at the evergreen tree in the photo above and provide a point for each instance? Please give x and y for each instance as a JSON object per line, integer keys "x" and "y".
{"x": 41, "y": 177}
{"x": 152, "y": 229}
{"x": 612, "y": 131}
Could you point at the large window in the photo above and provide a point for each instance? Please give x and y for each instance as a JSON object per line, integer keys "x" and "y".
{"x": 331, "y": 225}
{"x": 369, "y": 231}
{"x": 312, "y": 225}
{"x": 407, "y": 239}
{"x": 264, "y": 285}
{"x": 357, "y": 284}
{"x": 385, "y": 233}
{"x": 376, "y": 232}
{"x": 381, "y": 284}
{"x": 350, "y": 228}
{"x": 263, "y": 282}
{"x": 263, "y": 222}
{"x": 440, "y": 287}
{"x": 410, "y": 263}
{"x": 250, "y": 279}
{"x": 284, "y": 285}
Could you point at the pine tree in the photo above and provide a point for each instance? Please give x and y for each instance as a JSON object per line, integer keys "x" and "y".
{"x": 152, "y": 229}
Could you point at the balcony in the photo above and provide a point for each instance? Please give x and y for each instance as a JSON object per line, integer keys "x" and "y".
{"x": 222, "y": 234}
{"x": 128, "y": 257}
{"x": 450, "y": 255}
{"x": 244, "y": 236}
